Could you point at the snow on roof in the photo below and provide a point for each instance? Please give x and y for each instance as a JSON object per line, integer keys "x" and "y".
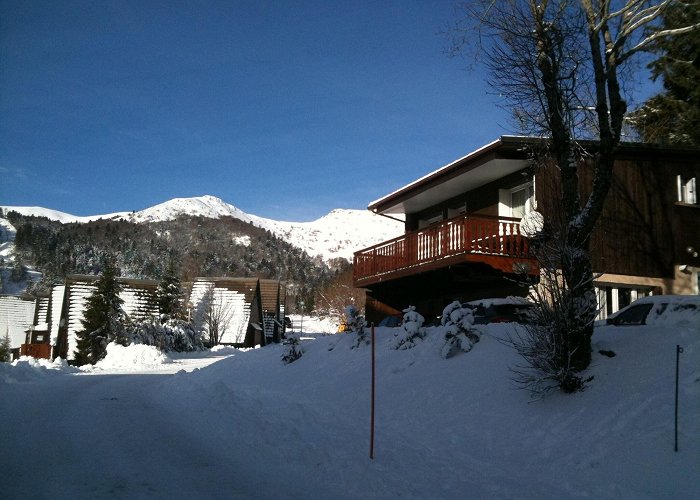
{"x": 500, "y": 301}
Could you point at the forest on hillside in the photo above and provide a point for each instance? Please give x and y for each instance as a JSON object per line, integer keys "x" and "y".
{"x": 194, "y": 246}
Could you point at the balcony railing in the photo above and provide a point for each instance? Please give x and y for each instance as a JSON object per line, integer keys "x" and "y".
{"x": 494, "y": 240}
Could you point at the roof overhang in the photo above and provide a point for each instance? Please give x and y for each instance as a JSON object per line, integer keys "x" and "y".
{"x": 502, "y": 157}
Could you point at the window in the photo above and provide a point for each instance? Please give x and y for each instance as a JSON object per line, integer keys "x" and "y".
{"x": 612, "y": 298}
{"x": 521, "y": 200}
{"x": 635, "y": 315}
{"x": 687, "y": 190}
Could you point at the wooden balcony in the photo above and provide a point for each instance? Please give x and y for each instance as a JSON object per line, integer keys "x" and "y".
{"x": 496, "y": 241}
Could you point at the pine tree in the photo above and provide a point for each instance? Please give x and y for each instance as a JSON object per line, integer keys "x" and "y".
{"x": 458, "y": 323}
{"x": 672, "y": 116}
{"x": 103, "y": 321}
{"x": 170, "y": 293}
{"x": 292, "y": 348}
{"x": 411, "y": 330}
{"x": 5, "y": 348}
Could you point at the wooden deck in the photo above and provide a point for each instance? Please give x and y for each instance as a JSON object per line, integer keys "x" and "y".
{"x": 495, "y": 241}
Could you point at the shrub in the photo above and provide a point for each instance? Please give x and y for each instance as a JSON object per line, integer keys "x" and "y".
{"x": 172, "y": 335}
{"x": 460, "y": 332}
{"x": 357, "y": 324}
{"x": 292, "y": 348}
{"x": 411, "y": 329}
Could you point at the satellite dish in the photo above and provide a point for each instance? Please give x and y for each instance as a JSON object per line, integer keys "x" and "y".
{"x": 531, "y": 224}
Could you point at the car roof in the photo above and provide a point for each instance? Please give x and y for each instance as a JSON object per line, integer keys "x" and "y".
{"x": 667, "y": 299}
{"x": 498, "y": 301}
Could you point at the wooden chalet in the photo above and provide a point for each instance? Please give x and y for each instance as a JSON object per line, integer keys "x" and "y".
{"x": 47, "y": 326}
{"x": 273, "y": 296}
{"x": 17, "y": 315}
{"x": 463, "y": 237}
{"x": 67, "y": 302}
{"x": 250, "y": 311}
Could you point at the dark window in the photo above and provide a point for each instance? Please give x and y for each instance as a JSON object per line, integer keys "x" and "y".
{"x": 635, "y": 315}
{"x": 609, "y": 301}
{"x": 624, "y": 297}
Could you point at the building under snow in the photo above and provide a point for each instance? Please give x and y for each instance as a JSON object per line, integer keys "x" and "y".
{"x": 245, "y": 312}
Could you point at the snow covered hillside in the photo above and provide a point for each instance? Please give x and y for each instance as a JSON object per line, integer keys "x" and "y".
{"x": 59, "y": 216}
{"x": 8, "y": 285}
{"x": 338, "y": 234}
{"x": 249, "y": 426}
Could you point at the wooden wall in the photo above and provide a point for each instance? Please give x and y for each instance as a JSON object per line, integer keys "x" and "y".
{"x": 642, "y": 230}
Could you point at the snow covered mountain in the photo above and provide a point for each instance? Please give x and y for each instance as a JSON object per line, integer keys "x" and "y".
{"x": 336, "y": 235}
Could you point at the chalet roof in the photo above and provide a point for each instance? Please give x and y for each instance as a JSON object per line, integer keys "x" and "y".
{"x": 504, "y": 156}
{"x": 269, "y": 294}
{"x": 245, "y": 286}
{"x": 488, "y": 163}
{"x": 91, "y": 278}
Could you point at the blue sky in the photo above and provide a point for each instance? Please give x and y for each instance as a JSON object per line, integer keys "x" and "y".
{"x": 286, "y": 109}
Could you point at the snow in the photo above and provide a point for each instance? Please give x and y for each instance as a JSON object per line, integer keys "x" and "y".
{"x": 336, "y": 235}
{"x": 242, "y": 424}
{"x": 132, "y": 358}
{"x": 62, "y": 217}
{"x": 7, "y": 239}
{"x": 511, "y": 300}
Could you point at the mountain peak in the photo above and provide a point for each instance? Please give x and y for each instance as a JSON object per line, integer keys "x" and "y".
{"x": 335, "y": 235}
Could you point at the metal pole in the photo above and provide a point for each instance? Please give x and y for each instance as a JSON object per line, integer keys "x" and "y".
{"x": 679, "y": 350}
{"x": 301, "y": 327}
{"x": 371, "y": 425}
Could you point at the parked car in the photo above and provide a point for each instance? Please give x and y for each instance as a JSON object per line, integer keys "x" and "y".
{"x": 659, "y": 309}
{"x": 501, "y": 310}
{"x": 391, "y": 321}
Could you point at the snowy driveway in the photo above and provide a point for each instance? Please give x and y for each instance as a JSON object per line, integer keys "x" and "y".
{"x": 104, "y": 436}
{"x": 249, "y": 426}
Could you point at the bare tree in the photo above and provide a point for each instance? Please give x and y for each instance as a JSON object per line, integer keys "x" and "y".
{"x": 560, "y": 66}
{"x": 214, "y": 315}
{"x": 338, "y": 293}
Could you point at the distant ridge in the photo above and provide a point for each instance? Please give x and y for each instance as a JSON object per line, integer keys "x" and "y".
{"x": 336, "y": 235}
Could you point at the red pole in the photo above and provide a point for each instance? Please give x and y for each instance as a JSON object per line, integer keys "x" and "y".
{"x": 371, "y": 425}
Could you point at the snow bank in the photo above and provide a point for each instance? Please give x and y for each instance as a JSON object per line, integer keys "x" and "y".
{"x": 313, "y": 324}
{"x": 27, "y": 369}
{"x": 135, "y": 357}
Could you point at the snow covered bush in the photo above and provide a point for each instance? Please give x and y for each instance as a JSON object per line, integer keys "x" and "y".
{"x": 411, "y": 329}
{"x": 356, "y": 323}
{"x": 292, "y": 348}
{"x": 458, "y": 322}
{"x": 173, "y": 335}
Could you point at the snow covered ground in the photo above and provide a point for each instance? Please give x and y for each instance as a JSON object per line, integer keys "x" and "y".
{"x": 241, "y": 424}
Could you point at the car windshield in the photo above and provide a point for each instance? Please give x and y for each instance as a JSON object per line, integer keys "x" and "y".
{"x": 634, "y": 315}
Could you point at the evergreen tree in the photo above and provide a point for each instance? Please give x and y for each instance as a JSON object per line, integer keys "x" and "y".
{"x": 5, "y": 348}
{"x": 458, "y": 323}
{"x": 170, "y": 293}
{"x": 411, "y": 330}
{"x": 103, "y": 322}
{"x": 672, "y": 116}
{"x": 292, "y": 348}
{"x": 19, "y": 273}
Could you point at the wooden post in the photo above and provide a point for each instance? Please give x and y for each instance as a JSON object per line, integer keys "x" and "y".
{"x": 371, "y": 420}
{"x": 679, "y": 350}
